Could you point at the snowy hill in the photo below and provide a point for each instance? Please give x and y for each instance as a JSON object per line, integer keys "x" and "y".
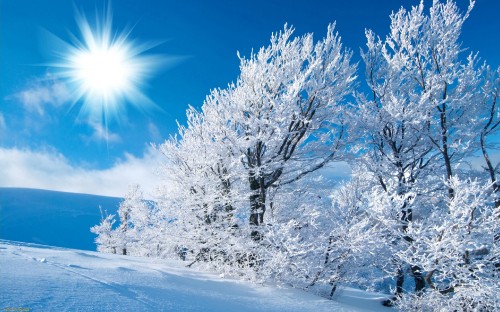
{"x": 43, "y": 278}
{"x": 51, "y": 218}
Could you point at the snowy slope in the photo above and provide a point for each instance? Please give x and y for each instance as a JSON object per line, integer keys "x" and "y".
{"x": 44, "y": 278}
{"x": 51, "y": 218}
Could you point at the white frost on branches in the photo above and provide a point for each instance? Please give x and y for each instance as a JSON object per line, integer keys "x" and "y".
{"x": 244, "y": 194}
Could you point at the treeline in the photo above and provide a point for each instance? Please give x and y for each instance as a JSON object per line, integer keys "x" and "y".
{"x": 247, "y": 191}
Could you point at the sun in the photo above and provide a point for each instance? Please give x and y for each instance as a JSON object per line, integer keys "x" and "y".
{"x": 105, "y": 69}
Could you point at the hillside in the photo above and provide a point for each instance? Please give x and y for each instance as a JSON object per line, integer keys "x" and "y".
{"x": 51, "y": 218}
{"x": 43, "y": 278}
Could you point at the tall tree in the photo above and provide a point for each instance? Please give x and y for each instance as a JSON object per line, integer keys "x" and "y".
{"x": 287, "y": 110}
{"x": 421, "y": 113}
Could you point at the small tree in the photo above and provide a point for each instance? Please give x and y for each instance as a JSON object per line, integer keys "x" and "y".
{"x": 135, "y": 219}
{"x": 106, "y": 238}
{"x": 200, "y": 195}
{"x": 351, "y": 245}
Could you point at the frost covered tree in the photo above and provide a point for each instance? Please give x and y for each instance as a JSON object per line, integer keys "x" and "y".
{"x": 423, "y": 84}
{"x": 456, "y": 246}
{"x": 252, "y": 148}
{"x": 428, "y": 50}
{"x": 135, "y": 219}
{"x": 122, "y": 233}
{"x": 286, "y": 108}
{"x": 137, "y": 222}
{"x": 349, "y": 241}
{"x": 422, "y": 112}
{"x": 244, "y": 192}
{"x": 394, "y": 128}
{"x": 200, "y": 195}
{"x": 281, "y": 120}
{"x": 105, "y": 240}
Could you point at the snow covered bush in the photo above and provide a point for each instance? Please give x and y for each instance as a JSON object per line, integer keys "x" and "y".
{"x": 137, "y": 229}
{"x": 458, "y": 249}
{"x": 105, "y": 240}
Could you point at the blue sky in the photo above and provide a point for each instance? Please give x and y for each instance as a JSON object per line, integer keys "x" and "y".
{"x": 45, "y": 144}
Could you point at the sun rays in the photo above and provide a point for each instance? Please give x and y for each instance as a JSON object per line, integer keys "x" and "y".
{"x": 105, "y": 69}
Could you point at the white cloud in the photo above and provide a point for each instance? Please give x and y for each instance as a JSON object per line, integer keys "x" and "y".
{"x": 101, "y": 133}
{"x": 52, "y": 171}
{"x": 41, "y": 93}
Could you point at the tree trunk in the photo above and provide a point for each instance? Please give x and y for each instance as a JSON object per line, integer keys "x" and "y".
{"x": 419, "y": 279}
{"x": 444, "y": 151}
{"x": 226, "y": 192}
{"x": 257, "y": 205}
{"x": 406, "y": 218}
{"x": 400, "y": 279}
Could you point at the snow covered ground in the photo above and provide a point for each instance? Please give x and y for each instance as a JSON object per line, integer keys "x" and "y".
{"x": 42, "y": 278}
{"x": 52, "y": 218}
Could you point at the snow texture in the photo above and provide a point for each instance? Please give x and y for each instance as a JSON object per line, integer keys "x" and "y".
{"x": 42, "y": 278}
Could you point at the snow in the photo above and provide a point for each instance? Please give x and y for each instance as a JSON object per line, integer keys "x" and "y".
{"x": 44, "y": 278}
{"x": 52, "y": 218}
